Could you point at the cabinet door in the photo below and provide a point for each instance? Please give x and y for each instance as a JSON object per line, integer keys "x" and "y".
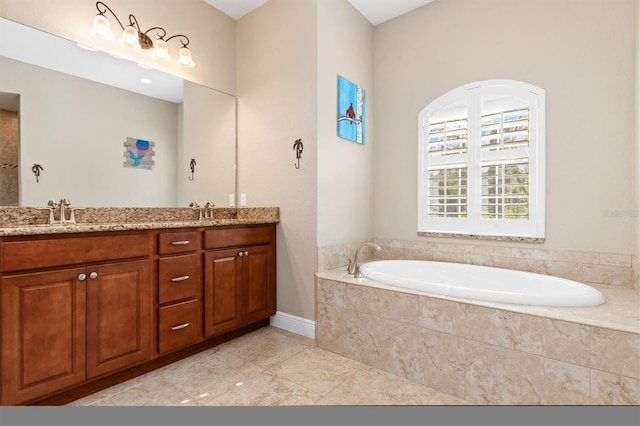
{"x": 258, "y": 283}
{"x": 43, "y": 334}
{"x": 118, "y": 316}
{"x": 222, "y": 291}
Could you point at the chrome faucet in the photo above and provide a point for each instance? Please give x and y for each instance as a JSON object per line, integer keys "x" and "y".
{"x": 353, "y": 268}
{"x": 60, "y": 208}
{"x": 208, "y": 209}
{"x": 62, "y": 219}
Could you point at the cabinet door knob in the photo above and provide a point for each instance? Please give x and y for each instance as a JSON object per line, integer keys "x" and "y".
{"x": 82, "y": 277}
{"x": 246, "y": 253}
{"x": 241, "y": 254}
{"x": 93, "y": 275}
{"x": 180, "y": 327}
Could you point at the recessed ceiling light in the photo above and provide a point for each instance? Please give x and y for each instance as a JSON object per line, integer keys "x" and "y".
{"x": 146, "y": 80}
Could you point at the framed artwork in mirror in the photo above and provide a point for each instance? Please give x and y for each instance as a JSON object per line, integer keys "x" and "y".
{"x": 139, "y": 154}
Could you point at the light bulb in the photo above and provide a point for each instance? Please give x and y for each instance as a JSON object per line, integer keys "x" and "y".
{"x": 130, "y": 37}
{"x": 184, "y": 58}
{"x": 101, "y": 27}
{"x": 161, "y": 50}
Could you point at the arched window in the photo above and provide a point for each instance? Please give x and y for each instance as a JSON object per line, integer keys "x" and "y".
{"x": 482, "y": 161}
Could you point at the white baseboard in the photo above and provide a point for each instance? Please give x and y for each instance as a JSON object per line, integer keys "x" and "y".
{"x": 294, "y": 324}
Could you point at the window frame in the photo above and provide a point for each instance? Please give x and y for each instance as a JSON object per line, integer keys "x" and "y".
{"x": 472, "y": 95}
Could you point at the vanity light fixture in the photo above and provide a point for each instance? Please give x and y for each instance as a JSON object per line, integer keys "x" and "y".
{"x": 133, "y": 36}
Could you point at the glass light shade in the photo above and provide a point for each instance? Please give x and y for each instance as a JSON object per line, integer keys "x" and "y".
{"x": 101, "y": 27}
{"x": 161, "y": 50}
{"x": 130, "y": 37}
{"x": 184, "y": 58}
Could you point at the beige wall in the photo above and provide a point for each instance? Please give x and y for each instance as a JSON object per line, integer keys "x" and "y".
{"x": 580, "y": 52}
{"x": 345, "y": 169}
{"x": 277, "y": 104}
{"x": 636, "y": 265}
{"x": 210, "y": 139}
{"x": 211, "y": 32}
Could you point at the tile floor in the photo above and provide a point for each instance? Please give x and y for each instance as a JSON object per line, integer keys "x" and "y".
{"x": 265, "y": 368}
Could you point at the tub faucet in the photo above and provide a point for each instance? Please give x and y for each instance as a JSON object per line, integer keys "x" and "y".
{"x": 353, "y": 268}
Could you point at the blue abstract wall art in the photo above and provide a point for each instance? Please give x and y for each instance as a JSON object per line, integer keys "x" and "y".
{"x": 351, "y": 111}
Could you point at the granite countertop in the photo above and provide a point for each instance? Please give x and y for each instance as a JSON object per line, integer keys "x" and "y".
{"x": 20, "y": 221}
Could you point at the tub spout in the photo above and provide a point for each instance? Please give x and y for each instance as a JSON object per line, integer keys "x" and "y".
{"x": 354, "y": 268}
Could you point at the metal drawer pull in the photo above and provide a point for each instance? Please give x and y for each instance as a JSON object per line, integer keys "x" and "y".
{"x": 176, "y": 279}
{"x": 180, "y": 243}
{"x": 180, "y": 327}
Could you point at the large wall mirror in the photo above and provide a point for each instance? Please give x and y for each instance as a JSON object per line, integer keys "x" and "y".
{"x": 105, "y": 132}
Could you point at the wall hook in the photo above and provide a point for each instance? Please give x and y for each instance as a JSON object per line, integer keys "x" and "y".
{"x": 298, "y": 147}
{"x": 192, "y": 166}
{"x": 36, "y": 169}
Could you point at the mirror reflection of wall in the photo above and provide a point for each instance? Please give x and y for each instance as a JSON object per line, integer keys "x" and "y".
{"x": 9, "y": 146}
{"x": 75, "y": 122}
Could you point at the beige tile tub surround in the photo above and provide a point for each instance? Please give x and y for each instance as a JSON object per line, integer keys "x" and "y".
{"x": 482, "y": 352}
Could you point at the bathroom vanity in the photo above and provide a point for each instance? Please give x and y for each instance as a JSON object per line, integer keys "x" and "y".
{"x": 83, "y": 305}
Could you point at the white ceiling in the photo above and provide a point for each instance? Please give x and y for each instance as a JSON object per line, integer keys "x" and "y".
{"x": 376, "y": 11}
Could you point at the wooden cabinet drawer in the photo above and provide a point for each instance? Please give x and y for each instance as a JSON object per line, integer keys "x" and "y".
{"x": 231, "y": 237}
{"x": 178, "y": 326}
{"x": 31, "y": 254}
{"x": 177, "y": 242}
{"x": 177, "y": 278}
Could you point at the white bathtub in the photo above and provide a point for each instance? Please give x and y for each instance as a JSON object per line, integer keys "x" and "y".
{"x": 482, "y": 283}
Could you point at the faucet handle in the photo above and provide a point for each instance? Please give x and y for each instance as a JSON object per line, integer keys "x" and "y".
{"x": 52, "y": 219}
{"x": 195, "y": 205}
{"x": 72, "y": 214}
{"x": 52, "y": 203}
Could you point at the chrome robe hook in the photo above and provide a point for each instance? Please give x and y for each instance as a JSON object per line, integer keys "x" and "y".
{"x": 298, "y": 147}
{"x": 192, "y": 166}
{"x": 36, "y": 169}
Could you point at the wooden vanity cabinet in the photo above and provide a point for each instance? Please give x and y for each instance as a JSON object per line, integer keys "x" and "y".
{"x": 78, "y": 308}
{"x": 239, "y": 277}
{"x": 88, "y": 314}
